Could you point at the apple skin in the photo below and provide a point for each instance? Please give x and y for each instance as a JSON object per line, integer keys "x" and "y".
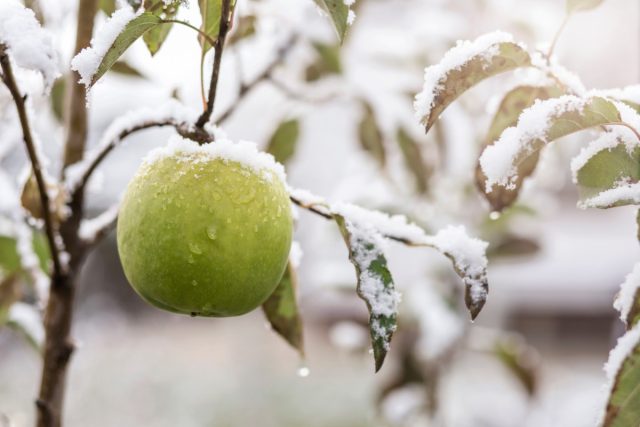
{"x": 204, "y": 236}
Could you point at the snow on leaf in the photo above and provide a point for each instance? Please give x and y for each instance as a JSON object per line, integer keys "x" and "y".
{"x": 27, "y": 320}
{"x": 627, "y": 301}
{"x": 281, "y": 309}
{"x": 538, "y": 125}
{"x": 607, "y": 171}
{"x": 623, "y": 374}
{"x": 375, "y": 284}
{"x": 341, "y": 14}
{"x": 29, "y": 45}
{"x": 109, "y": 43}
{"x": 462, "y": 67}
{"x": 511, "y": 106}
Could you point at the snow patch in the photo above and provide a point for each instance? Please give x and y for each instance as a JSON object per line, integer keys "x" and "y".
{"x": 627, "y": 295}
{"x": 624, "y": 191}
{"x": 30, "y": 46}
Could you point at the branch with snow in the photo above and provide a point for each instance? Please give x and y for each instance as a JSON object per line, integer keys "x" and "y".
{"x": 627, "y": 301}
{"x": 93, "y": 230}
{"x": 467, "y": 254}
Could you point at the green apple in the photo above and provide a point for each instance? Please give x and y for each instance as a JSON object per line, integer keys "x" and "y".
{"x": 203, "y": 234}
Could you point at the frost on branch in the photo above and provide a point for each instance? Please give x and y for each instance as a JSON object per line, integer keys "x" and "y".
{"x": 540, "y": 124}
{"x": 30, "y": 46}
{"x": 627, "y": 301}
{"x": 465, "y": 65}
{"x": 375, "y": 284}
{"x": 623, "y": 370}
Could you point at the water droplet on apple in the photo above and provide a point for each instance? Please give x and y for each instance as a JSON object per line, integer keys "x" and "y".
{"x": 212, "y": 232}
{"x": 494, "y": 215}
{"x": 303, "y": 371}
{"x": 193, "y": 247}
{"x": 194, "y": 282}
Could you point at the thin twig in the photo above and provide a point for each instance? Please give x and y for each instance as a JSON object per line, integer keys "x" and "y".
{"x": 328, "y": 215}
{"x": 557, "y": 36}
{"x": 186, "y": 24}
{"x": 264, "y": 75}
{"x": 225, "y": 17}
{"x": 47, "y": 214}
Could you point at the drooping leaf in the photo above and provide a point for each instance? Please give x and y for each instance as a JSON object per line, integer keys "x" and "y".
{"x": 496, "y": 59}
{"x": 607, "y": 170}
{"x": 339, "y": 13}
{"x": 327, "y": 62}
{"x": 30, "y": 198}
{"x": 623, "y": 405}
{"x": 414, "y": 160}
{"x": 375, "y": 284}
{"x": 511, "y": 106}
{"x": 577, "y": 5}
{"x": 10, "y": 261}
{"x": 131, "y": 32}
{"x": 370, "y": 136}
{"x": 155, "y": 37}
{"x": 57, "y": 98}
{"x": 282, "y": 143}
{"x": 245, "y": 27}
{"x": 542, "y": 123}
{"x": 281, "y": 310}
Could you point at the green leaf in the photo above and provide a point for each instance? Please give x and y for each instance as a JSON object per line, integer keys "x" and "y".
{"x": 476, "y": 69}
{"x": 282, "y": 143}
{"x": 519, "y": 358}
{"x": 375, "y": 284}
{"x": 281, "y": 310}
{"x": 623, "y": 406}
{"x": 413, "y": 159}
{"x": 123, "y": 67}
{"x": 131, "y": 32}
{"x": 327, "y": 62}
{"x": 370, "y": 136}
{"x": 9, "y": 258}
{"x": 606, "y": 169}
{"x": 57, "y": 98}
{"x": 107, "y": 6}
{"x": 512, "y": 105}
{"x": 562, "y": 116}
{"x": 27, "y": 321}
{"x": 155, "y": 37}
{"x": 577, "y": 5}
{"x": 210, "y": 11}
{"x": 9, "y": 293}
{"x": 339, "y": 13}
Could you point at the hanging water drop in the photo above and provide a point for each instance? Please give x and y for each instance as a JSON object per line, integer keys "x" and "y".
{"x": 212, "y": 232}
{"x": 303, "y": 371}
{"x": 494, "y": 215}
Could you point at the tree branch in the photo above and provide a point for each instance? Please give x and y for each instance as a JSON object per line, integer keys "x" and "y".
{"x": 245, "y": 88}
{"x": 19, "y": 100}
{"x": 225, "y": 17}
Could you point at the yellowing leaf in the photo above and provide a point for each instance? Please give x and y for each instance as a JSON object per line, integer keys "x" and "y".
{"x": 281, "y": 310}
{"x": 370, "y": 136}
{"x": 577, "y": 5}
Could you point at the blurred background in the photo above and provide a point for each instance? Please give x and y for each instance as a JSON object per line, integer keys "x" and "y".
{"x": 533, "y": 357}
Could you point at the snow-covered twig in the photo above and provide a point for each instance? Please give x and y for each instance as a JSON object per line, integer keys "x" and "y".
{"x": 19, "y": 100}
{"x": 93, "y": 230}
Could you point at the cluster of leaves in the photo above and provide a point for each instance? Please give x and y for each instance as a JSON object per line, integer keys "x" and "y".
{"x": 609, "y": 166}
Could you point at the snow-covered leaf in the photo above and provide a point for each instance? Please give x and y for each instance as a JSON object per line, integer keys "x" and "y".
{"x": 370, "y": 136}
{"x": 464, "y": 66}
{"x": 623, "y": 372}
{"x": 281, "y": 310}
{"x": 511, "y": 106}
{"x": 155, "y": 37}
{"x": 607, "y": 172}
{"x": 110, "y": 42}
{"x": 27, "y": 320}
{"x": 375, "y": 284}
{"x": 577, "y": 5}
{"x": 340, "y": 13}
{"x": 627, "y": 301}
{"x": 414, "y": 160}
{"x": 282, "y": 143}
{"x": 538, "y": 125}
